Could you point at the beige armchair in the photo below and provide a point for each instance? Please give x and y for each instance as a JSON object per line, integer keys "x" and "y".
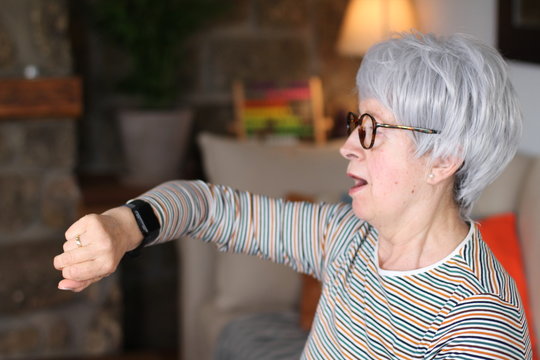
{"x": 217, "y": 287}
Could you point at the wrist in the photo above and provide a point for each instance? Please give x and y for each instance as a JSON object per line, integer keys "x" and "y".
{"x": 133, "y": 236}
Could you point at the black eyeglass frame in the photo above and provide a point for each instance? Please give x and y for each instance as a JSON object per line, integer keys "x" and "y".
{"x": 357, "y": 121}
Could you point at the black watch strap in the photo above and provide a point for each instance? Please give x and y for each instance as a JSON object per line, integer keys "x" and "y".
{"x": 146, "y": 220}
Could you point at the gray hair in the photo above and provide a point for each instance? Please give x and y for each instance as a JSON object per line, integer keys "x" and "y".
{"x": 457, "y": 85}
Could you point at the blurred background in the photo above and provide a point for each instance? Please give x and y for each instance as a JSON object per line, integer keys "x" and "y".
{"x": 85, "y": 84}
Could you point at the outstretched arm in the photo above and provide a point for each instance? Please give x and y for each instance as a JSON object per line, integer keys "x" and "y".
{"x": 297, "y": 234}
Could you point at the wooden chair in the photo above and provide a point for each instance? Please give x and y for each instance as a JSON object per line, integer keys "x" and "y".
{"x": 295, "y": 108}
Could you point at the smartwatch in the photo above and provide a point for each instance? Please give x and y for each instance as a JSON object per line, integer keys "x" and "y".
{"x": 147, "y": 222}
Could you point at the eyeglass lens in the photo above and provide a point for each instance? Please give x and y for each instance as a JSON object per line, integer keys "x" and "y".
{"x": 366, "y": 127}
{"x": 366, "y": 130}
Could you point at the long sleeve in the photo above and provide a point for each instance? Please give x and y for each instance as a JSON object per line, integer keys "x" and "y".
{"x": 298, "y": 234}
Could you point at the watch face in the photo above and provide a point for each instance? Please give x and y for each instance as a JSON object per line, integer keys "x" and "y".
{"x": 140, "y": 222}
{"x": 146, "y": 220}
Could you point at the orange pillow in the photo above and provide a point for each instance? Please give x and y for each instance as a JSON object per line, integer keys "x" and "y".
{"x": 311, "y": 287}
{"x": 499, "y": 232}
{"x": 309, "y": 299}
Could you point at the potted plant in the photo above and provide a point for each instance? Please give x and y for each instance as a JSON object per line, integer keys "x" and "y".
{"x": 152, "y": 35}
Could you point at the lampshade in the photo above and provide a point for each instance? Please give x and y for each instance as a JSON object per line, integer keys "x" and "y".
{"x": 367, "y": 22}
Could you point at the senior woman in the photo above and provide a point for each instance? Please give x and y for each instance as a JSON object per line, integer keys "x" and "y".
{"x": 405, "y": 272}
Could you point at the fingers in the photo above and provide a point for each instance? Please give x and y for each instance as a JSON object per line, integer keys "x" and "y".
{"x": 99, "y": 258}
{"x": 71, "y": 243}
{"x": 78, "y": 227}
{"x": 83, "y": 264}
{"x": 72, "y": 257}
{"x": 88, "y": 270}
{"x": 74, "y": 235}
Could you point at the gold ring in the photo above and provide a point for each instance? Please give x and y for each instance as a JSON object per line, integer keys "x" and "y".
{"x": 78, "y": 241}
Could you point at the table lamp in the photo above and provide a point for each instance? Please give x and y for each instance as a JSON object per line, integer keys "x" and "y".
{"x": 367, "y": 22}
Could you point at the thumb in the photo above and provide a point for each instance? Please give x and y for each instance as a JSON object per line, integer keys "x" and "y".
{"x": 74, "y": 285}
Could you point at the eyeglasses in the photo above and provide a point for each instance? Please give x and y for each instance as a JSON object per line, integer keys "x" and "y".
{"x": 367, "y": 128}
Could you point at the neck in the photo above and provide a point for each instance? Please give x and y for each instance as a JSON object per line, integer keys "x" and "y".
{"x": 423, "y": 236}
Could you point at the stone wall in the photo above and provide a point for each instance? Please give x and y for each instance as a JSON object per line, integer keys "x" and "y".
{"x": 39, "y": 198}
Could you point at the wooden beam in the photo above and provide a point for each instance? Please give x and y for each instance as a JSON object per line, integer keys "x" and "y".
{"x": 40, "y": 98}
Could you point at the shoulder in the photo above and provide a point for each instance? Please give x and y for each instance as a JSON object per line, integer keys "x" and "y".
{"x": 480, "y": 326}
{"x": 484, "y": 315}
{"x": 482, "y": 273}
{"x": 484, "y": 308}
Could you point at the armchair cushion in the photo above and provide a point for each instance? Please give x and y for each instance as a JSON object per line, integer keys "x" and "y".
{"x": 265, "y": 286}
{"x": 275, "y": 170}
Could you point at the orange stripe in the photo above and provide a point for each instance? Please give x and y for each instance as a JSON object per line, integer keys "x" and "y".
{"x": 469, "y": 350}
{"x": 483, "y": 314}
{"x": 489, "y": 335}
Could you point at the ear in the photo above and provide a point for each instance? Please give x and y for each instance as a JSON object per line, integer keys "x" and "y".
{"x": 443, "y": 168}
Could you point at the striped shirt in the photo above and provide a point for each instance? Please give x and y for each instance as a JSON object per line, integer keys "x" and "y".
{"x": 463, "y": 307}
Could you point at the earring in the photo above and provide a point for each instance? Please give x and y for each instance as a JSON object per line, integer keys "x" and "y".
{"x": 431, "y": 176}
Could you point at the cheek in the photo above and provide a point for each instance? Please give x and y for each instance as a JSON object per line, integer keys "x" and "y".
{"x": 387, "y": 175}
{"x": 394, "y": 181}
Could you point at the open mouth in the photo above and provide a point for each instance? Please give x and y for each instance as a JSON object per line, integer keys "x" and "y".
{"x": 359, "y": 183}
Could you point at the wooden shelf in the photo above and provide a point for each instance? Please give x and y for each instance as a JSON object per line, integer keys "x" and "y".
{"x": 40, "y": 98}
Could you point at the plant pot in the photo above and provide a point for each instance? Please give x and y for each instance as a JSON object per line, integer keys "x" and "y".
{"x": 154, "y": 144}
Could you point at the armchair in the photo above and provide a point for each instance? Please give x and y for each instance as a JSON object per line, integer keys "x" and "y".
{"x": 218, "y": 287}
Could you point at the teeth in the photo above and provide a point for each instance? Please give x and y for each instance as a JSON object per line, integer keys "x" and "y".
{"x": 359, "y": 181}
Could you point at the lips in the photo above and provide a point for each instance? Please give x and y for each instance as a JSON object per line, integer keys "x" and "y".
{"x": 359, "y": 183}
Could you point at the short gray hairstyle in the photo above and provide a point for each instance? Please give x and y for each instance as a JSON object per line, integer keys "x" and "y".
{"x": 457, "y": 85}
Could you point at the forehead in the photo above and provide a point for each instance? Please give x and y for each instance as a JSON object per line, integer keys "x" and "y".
{"x": 377, "y": 110}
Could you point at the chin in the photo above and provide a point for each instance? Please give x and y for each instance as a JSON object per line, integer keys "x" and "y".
{"x": 360, "y": 210}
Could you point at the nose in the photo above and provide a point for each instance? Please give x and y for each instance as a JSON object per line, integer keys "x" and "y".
{"x": 352, "y": 149}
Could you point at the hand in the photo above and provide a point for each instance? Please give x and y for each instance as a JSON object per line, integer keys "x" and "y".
{"x": 94, "y": 246}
